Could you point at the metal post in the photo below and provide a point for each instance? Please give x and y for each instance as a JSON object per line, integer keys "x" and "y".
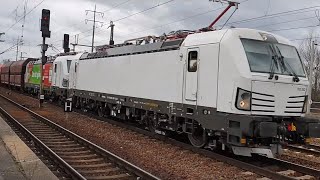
{"x": 311, "y": 68}
{"x": 41, "y": 96}
{"x": 17, "y": 49}
{"x": 111, "y": 33}
{"x": 94, "y": 23}
{"x": 94, "y": 26}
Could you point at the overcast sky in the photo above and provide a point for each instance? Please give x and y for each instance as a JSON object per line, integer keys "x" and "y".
{"x": 68, "y": 16}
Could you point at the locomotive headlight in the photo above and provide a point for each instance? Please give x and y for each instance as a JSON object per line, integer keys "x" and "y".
{"x": 243, "y": 101}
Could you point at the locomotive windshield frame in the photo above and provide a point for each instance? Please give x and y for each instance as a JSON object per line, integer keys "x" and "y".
{"x": 263, "y": 55}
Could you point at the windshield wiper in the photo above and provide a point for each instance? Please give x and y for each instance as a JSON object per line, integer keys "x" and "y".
{"x": 285, "y": 64}
{"x": 273, "y": 63}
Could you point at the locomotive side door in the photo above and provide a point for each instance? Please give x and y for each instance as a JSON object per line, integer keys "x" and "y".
{"x": 191, "y": 74}
{"x": 56, "y": 74}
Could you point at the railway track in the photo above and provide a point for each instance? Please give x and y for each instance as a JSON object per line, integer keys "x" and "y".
{"x": 285, "y": 168}
{"x": 273, "y": 168}
{"x": 79, "y": 158}
{"x": 315, "y": 147}
{"x": 266, "y": 167}
{"x": 308, "y": 149}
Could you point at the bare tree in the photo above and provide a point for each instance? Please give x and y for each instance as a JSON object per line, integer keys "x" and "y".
{"x": 306, "y": 54}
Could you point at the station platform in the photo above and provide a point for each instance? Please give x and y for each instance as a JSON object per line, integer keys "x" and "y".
{"x": 17, "y": 160}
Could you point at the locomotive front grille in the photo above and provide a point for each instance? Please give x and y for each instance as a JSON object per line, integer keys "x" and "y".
{"x": 277, "y": 98}
{"x": 264, "y": 103}
{"x": 295, "y": 104}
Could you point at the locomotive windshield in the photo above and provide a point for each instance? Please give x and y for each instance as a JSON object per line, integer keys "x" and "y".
{"x": 261, "y": 57}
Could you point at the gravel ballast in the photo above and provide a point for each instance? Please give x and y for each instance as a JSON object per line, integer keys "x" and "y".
{"x": 159, "y": 158}
{"x": 301, "y": 158}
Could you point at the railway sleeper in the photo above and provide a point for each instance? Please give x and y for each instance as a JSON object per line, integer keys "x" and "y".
{"x": 99, "y": 171}
{"x": 84, "y": 156}
{"x": 120, "y": 176}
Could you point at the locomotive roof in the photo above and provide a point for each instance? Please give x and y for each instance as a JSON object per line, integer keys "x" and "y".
{"x": 195, "y": 39}
{"x": 69, "y": 56}
{"x": 216, "y": 36}
{"x": 136, "y": 49}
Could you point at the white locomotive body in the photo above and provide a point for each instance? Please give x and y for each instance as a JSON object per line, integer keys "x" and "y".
{"x": 60, "y": 75}
{"x": 238, "y": 88}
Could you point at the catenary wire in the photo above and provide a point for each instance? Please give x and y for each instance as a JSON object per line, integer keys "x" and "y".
{"x": 120, "y": 19}
{"x": 296, "y": 11}
{"x": 293, "y": 28}
{"x": 25, "y": 15}
{"x": 183, "y": 19}
{"x": 110, "y": 9}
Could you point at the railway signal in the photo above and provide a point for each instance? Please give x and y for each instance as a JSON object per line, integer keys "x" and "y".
{"x": 0, "y": 36}
{"x": 66, "y": 43}
{"x": 45, "y": 29}
{"x": 45, "y": 23}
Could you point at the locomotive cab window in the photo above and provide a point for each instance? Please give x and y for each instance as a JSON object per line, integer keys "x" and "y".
{"x": 68, "y": 65}
{"x": 55, "y": 68}
{"x": 193, "y": 61}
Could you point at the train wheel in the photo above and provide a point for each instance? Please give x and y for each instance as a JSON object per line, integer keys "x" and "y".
{"x": 198, "y": 138}
{"x": 100, "y": 111}
{"x": 152, "y": 125}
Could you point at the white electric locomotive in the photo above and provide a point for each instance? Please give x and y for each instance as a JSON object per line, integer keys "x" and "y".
{"x": 238, "y": 89}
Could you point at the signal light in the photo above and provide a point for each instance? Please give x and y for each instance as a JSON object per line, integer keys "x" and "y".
{"x": 45, "y": 23}
{"x": 66, "y": 43}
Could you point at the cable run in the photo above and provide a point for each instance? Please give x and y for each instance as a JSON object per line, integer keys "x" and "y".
{"x": 183, "y": 19}
{"x": 140, "y": 12}
{"x": 71, "y": 26}
{"x": 300, "y": 39}
{"x": 9, "y": 49}
{"x": 286, "y": 29}
{"x": 25, "y": 15}
{"x": 117, "y": 5}
{"x": 172, "y": 22}
{"x": 274, "y": 15}
{"x": 285, "y": 22}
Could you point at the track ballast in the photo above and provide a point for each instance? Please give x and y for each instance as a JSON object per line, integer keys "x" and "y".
{"x": 79, "y": 158}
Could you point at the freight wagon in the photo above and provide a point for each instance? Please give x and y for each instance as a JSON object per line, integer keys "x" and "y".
{"x": 0, "y": 71}
{"x": 5, "y": 73}
{"x": 17, "y": 73}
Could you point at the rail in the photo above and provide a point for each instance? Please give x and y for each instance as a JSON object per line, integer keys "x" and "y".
{"x": 70, "y": 170}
